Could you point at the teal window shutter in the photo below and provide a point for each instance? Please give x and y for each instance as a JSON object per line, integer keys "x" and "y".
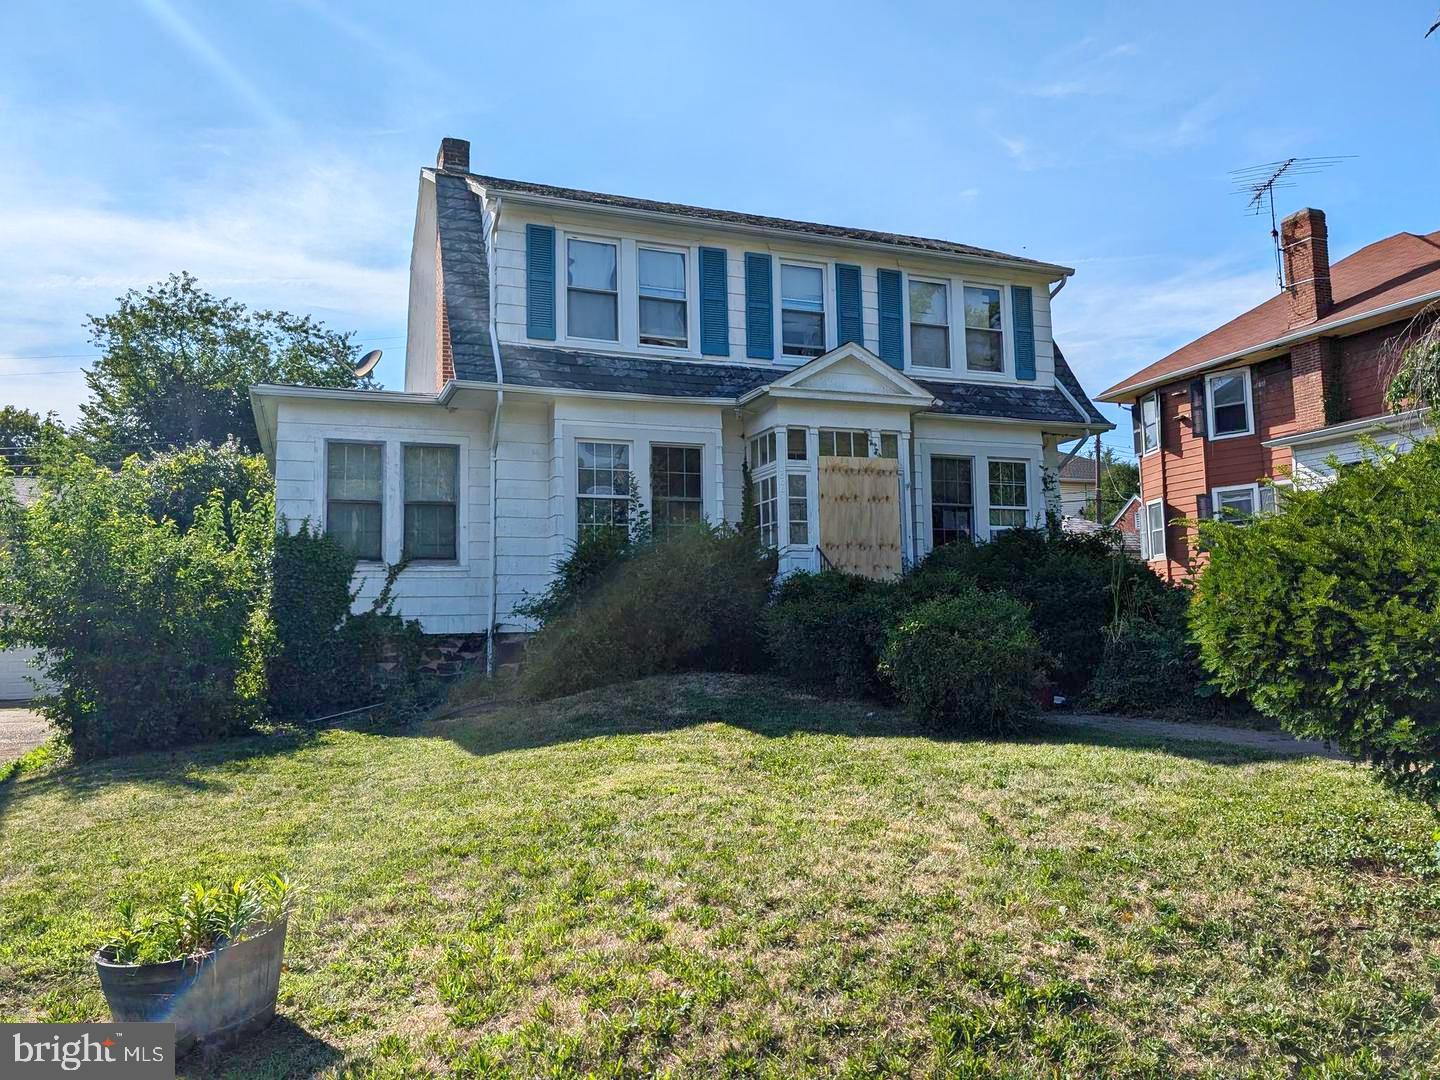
{"x": 540, "y": 282}
{"x": 759, "y": 307}
{"x": 1022, "y": 305}
{"x": 892, "y": 318}
{"x": 714, "y": 303}
{"x": 849, "y": 317}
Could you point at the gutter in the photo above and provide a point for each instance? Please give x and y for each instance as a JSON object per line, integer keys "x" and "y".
{"x": 1411, "y": 419}
{"x": 492, "y": 618}
{"x": 1118, "y": 394}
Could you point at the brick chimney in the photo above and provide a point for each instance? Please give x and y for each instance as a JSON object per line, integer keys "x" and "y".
{"x": 454, "y": 156}
{"x": 1305, "y": 244}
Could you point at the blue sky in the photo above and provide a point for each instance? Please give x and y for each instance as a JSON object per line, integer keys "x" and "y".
{"x": 272, "y": 147}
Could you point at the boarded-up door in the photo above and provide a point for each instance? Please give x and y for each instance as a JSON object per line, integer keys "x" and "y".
{"x": 860, "y": 515}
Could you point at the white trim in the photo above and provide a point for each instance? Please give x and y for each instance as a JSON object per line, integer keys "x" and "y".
{"x": 827, "y": 314}
{"x": 1150, "y": 554}
{"x": 990, "y": 527}
{"x": 562, "y": 315}
{"x": 1412, "y": 418}
{"x": 1125, "y": 392}
{"x": 1253, "y": 490}
{"x": 692, "y": 282}
{"x": 1210, "y": 433}
{"x": 949, "y": 285}
{"x": 1007, "y": 360}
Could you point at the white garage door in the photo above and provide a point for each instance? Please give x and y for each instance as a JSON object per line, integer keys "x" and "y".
{"x": 15, "y": 675}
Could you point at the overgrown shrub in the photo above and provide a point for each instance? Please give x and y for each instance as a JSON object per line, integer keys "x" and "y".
{"x": 326, "y": 657}
{"x": 826, "y": 631}
{"x": 966, "y": 662}
{"x": 1327, "y": 614}
{"x": 592, "y": 557}
{"x": 690, "y": 602}
{"x": 154, "y": 634}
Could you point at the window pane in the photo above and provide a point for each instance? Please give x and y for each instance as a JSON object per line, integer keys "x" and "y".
{"x": 662, "y": 273}
{"x": 592, "y": 265}
{"x": 675, "y": 487}
{"x": 929, "y": 303}
{"x": 429, "y": 531}
{"x": 431, "y": 473}
{"x": 1228, "y": 390}
{"x": 982, "y": 308}
{"x": 799, "y": 509}
{"x": 1007, "y": 485}
{"x": 929, "y": 346}
{"x": 795, "y": 443}
{"x": 984, "y": 350}
{"x": 1150, "y": 422}
{"x": 803, "y": 333}
{"x": 951, "y": 500}
{"x": 662, "y": 322}
{"x": 1236, "y": 505}
{"x": 353, "y": 471}
{"x": 1230, "y": 419}
{"x": 355, "y": 527}
{"x": 593, "y": 315}
{"x": 765, "y": 504}
{"x": 802, "y": 287}
{"x": 889, "y": 445}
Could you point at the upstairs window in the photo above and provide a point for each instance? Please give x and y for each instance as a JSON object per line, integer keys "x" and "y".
{"x": 929, "y": 324}
{"x": 952, "y": 500}
{"x": 802, "y": 310}
{"x": 844, "y": 444}
{"x": 675, "y": 488}
{"x": 1009, "y": 497}
{"x": 662, "y": 298}
{"x": 1147, "y": 424}
{"x": 984, "y": 329}
{"x": 602, "y": 485}
{"x": 432, "y": 484}
{"x": 1228, "y": 395}
{"x": 593, "y": 291}
{"x": 353, "y": 499}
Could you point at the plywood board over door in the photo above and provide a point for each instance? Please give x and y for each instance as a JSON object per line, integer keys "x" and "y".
{"x": 860, "y": 515}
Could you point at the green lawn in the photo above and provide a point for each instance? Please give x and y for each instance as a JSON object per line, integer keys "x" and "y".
{"x": 708, "y": 876}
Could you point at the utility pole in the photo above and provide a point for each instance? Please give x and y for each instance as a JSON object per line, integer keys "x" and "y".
{"x": 1099, "y": 498}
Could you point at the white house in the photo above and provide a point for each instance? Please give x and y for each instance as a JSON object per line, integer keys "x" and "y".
{"x": 564, "y": 345}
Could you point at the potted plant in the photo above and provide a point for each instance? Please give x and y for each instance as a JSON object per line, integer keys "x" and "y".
{"x": 208, "y": 962}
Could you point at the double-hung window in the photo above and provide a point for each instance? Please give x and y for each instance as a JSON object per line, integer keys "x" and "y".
{"x": 767, "y": 506}
{"x": 662, "y": 298}
{"x": 1009, "y": 495}
{"x": 952, "y": 500}
{"x": 1228, "y": 398}
{"x": 1236, "y": 504}
{"x": 798, "y": 486}
{"x": 592, "y": 290}
{"x": 929, "y": 324}
{"x": 603, "y": 485}
{"x": 802, "y": 310}
{"x": 762, "y": 450}
{"x": 1146, "y": 419}
{"x": 675, "y": 488}
{"x": 984, "y": 329}
{"x": 844, "y": 443}
{"x": 1154, "y": 534}
{"x": 354, "y": 482}
{"x": 432, "y": 483}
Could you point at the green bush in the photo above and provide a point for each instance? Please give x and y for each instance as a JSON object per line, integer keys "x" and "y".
{"x": 826, "y": 631}
{"x": 966, "y": 662}
{"x": 154, "y": 634}
{"x": 1327, "y": 614}
{"x": 691, "y": 602}
{"x": 201, "y": 918}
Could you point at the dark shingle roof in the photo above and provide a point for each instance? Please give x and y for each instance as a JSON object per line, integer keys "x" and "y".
{"x": 758, "y": 221}
{"x": 1045, "y": 404}
{"x": 1067, "y": 379}
{"x": 466, "y": 273}
{"x": 527, "y": 365}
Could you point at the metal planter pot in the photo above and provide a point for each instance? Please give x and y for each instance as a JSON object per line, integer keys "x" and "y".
{"x": 214, "y": 999}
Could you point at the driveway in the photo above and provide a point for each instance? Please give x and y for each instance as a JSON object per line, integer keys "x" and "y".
{"x": 1272, "y": 742}
{"x": 21, "y": 729}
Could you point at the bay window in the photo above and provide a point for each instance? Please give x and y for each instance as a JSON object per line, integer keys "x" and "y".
{"x": 431, "y": 485}
{"x": 592, "y": 290}
{"x": 799, "y": 516}
{"x": 662, "y": 298}
{"x": 354, "y": 501}
{"x": 984, "y": 329}
{"x": 844, "y": 443}
{"x": 766, "y": 505}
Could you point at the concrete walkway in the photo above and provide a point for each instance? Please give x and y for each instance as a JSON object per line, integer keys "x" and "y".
{"x": 21, "y": 730}
{"x": 1270, "y": 742}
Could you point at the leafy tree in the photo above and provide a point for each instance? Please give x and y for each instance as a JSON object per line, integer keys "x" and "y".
{"x": 1119, "y": 479}
{"x": 1414, "y": 362}
{"x": 21, "y": 433}
{"x": 178, "y": 365}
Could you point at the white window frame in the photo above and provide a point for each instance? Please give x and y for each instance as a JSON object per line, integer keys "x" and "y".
{"x": 574, "y": 480}
{"x": 1244, "y": 374}
{"x": 1253, "y": 490}
{"x": 620, "y": 289}
{"x": 1007, "y": 335}
{"x": 1149, "y": 538}
{"x": 853, "y": 436}
{"x": 992, "y": 529}
{"x": 459, "y": 494}
{"x": 652, "y": 506}
{"x": 325, "y": 499}
{"x": 827, "y": 314}
{"x": 1146, "y": 450}
{"x": 790, "y": 498}
{"x": 949, "y": 286}
{"x": 774, "y": 526}
{"x": 685, "y": 253}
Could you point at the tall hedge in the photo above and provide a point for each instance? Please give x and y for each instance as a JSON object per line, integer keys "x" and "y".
{"x": 1327, "y": 614}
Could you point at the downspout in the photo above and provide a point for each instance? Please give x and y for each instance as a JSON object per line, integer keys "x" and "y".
{"x": 492, "y": 619}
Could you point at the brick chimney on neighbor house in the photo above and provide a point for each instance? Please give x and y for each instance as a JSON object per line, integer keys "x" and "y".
{"x": 455, "y": 156}
{"x": 1314, "y": 364}
{"x": 1305, "y": 243}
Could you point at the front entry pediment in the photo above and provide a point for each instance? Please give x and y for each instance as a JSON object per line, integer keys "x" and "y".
{"x": 849, "y": 372}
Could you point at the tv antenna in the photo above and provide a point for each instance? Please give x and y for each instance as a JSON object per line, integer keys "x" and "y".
{"x": 1258, "y": 183}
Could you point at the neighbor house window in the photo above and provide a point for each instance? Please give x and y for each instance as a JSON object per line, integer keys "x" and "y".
{"x": 662, "y": 298}
{"x": 984, "y": 329}
{"x": 675, "y": 488}
{"x": 1009, "y": 501}
{"x": 844, "y": 444}
{"x": 952, "y": 500}
{"x": 766, "y": 504}
{"x": 1148, "y": 423}
{"x": 603, "y": 485}
{"x": 929, "y": 324}
{"x": 796, "y": 444}
{"x": 1228, "y": 395}
{"x": 798, "y": 486}
{"x": 353, "y": 499}
{"x": 593, "y": 294}
{"x": 432, "y": 484}
{"x": 802, "y": 310}
{"x": 1155, "y": 529}
{"x": 1236, "y": 504}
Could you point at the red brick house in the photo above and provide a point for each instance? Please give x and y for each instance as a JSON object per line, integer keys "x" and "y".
{"x": 1279, "y": 392}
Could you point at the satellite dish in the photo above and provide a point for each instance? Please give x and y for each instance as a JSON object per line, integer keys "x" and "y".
{"x": 367, "y": 363}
